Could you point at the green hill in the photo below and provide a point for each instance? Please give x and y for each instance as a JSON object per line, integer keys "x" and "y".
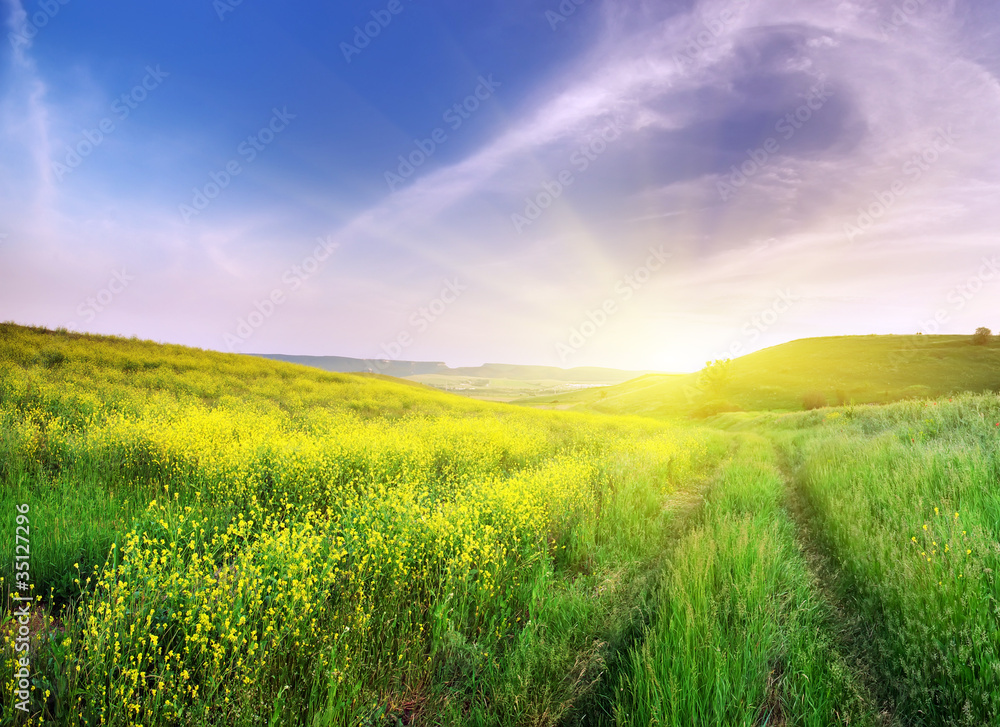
{"x": 114, "y": 369}
{"x": 842, "y": 369}
{"x": 219, "y": 539}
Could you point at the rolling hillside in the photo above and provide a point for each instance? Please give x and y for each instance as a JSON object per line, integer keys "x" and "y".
{"x": 844, "y": 369}
{"x": 219, "y": 539}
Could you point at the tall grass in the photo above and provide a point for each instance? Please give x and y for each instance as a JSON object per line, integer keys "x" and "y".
{"x": 740, "y": 636}
{"x": 906, "y": 499}
{"x": 219, "y": 540}
{"x": 300, "y": 556}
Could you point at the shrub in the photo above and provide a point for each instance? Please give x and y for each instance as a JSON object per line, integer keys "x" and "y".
{"x": 814, "y": 400}
{"x": 50, "y": 357}
{"x": 982, "y": 336}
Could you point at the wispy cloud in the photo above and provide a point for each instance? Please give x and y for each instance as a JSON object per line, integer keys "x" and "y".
{"x": 24, "y": 113}
{"x": 694, "y": 86}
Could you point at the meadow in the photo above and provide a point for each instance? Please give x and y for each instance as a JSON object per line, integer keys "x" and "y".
{"x": 225, "y": 540}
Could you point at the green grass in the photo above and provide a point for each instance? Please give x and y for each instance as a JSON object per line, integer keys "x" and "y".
{"x": 332, "y": 549}
{"x": 318, "y": 548}
{"x": 740, "y": 636}
{"x": 907, "y": 503}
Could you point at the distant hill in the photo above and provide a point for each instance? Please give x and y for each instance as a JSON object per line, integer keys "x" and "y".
{"x": 860, "y": 369}
{"x": 401, "y": 369}
{"x": 346, "y": 365}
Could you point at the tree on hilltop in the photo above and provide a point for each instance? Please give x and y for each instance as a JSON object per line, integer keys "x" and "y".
{"x": 982, "y": 336}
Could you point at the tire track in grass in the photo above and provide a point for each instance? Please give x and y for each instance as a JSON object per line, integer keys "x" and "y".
{"x": 849, "y": 629}
{"x": 682, "y": 508}
{"x": 738, "y": 638}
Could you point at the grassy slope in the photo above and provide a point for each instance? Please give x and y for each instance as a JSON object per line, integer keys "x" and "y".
{"x": 400, "y": 550}
{"x": 901, "y": 505}
{"x": 599, "y": 597}
{"x": 90, "y": 363}
{"x": 865, "y": 369}
{"x": 741, "y": 635}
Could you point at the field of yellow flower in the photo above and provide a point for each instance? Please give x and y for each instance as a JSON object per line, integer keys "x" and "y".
{"x": 193, "y": 538}
{"x": 224, "y": 540}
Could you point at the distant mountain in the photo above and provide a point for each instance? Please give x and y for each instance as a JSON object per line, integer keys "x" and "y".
{"x": 401, "y": 369}
{"x": 346, "y": 365}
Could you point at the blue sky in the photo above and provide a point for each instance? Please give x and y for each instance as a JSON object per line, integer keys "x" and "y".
{"x": 630, "y": 184}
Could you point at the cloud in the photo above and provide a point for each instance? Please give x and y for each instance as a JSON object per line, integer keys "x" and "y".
{"x": 697, "y": 89}
{"x": 25, "y": 127}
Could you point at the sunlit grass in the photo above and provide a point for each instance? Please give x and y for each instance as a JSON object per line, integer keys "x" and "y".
{"x": 303, "y": 555}
{"x": 219, "y": 540}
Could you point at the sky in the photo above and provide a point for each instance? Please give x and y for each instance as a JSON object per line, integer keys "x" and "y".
{"x": 628, "y": 183}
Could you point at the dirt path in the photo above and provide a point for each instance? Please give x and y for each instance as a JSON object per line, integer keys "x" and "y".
{"x": 683, "y": 505}
{"x": 847, "y": 628}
